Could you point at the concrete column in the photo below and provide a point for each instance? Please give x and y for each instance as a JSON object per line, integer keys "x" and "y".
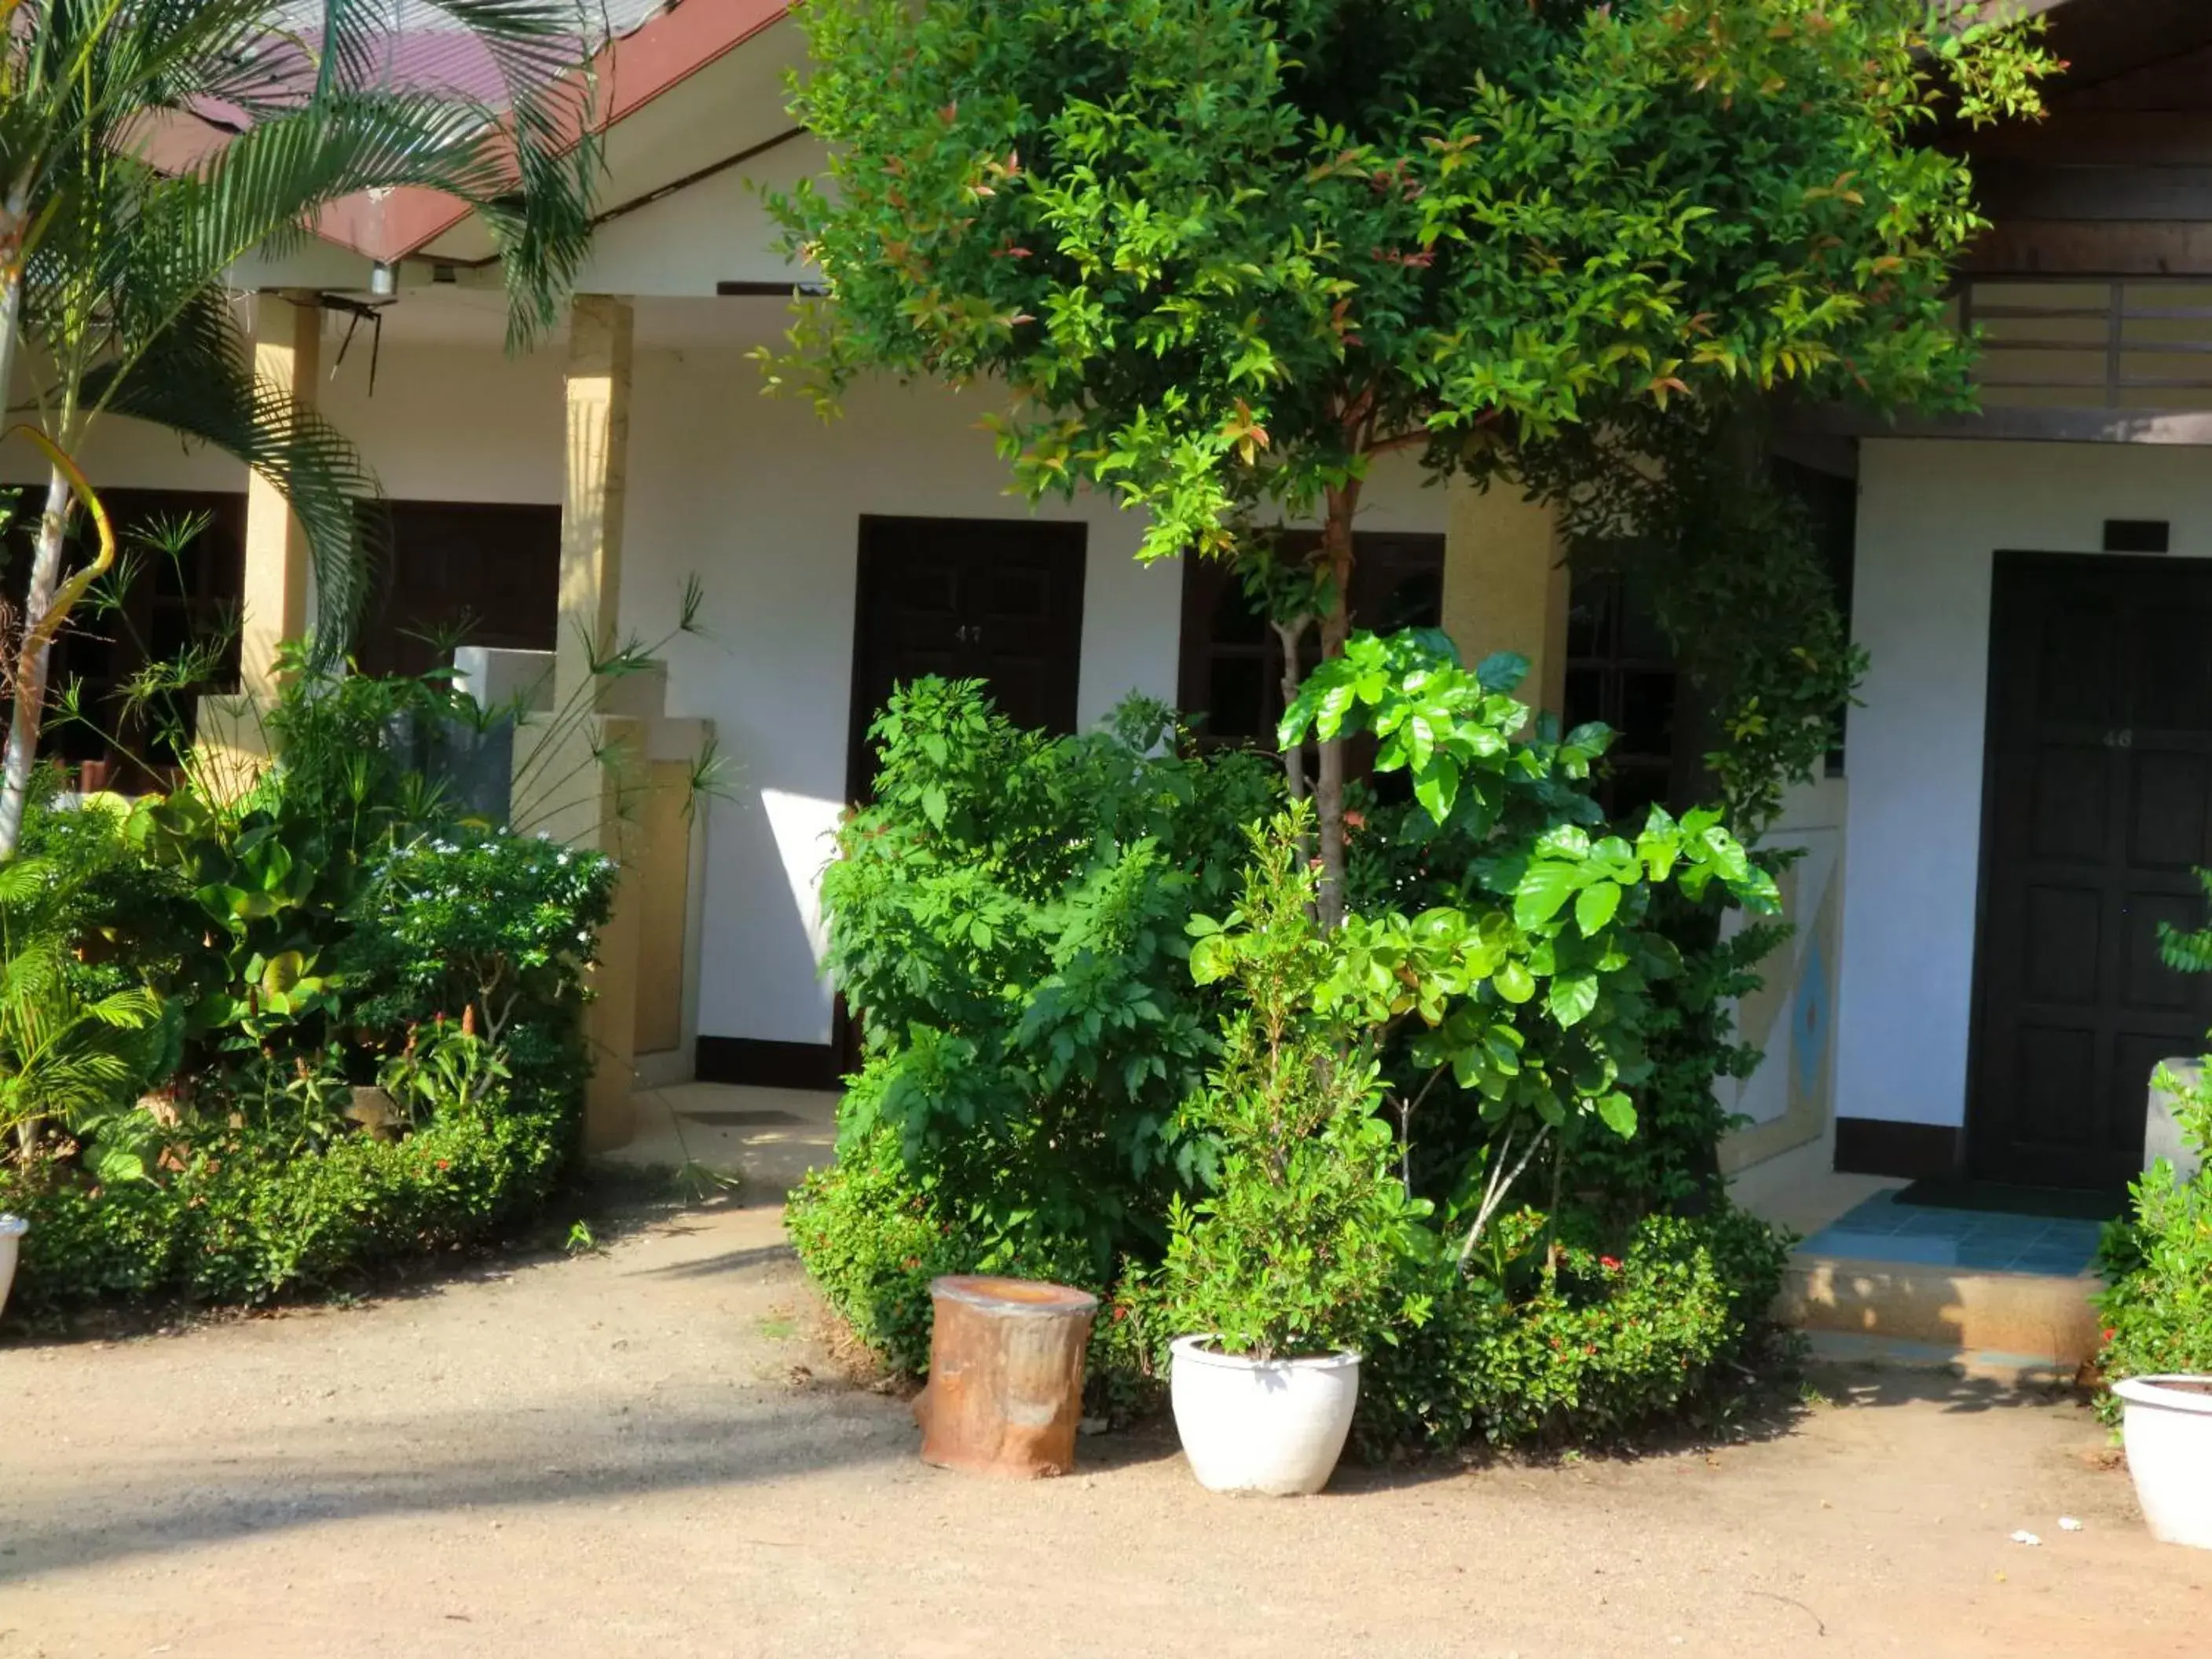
{"x": 600, "y": 329}
{"x": 287, "y": 352}
{"x": 588, "y": 778}
{"x": 1505, "y": 586}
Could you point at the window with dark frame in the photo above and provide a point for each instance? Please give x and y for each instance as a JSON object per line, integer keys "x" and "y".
{"x": 1230, "y": 683}
{"x": 161, "y": 605}
{"x": 1621, "y": 671}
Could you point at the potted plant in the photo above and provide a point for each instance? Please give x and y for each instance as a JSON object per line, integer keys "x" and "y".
{"x": 1280, "y": 1273}
{"x": 12, "y": 1229}
{"x": 2158, "y": 1326}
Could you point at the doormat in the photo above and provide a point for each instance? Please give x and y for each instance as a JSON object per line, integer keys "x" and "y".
{"x": 2059, "y": 1203}
{"x": 753, "y": 1119}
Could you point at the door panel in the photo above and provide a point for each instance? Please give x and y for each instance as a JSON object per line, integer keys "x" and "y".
{"x": 2097, "y": 808}
{"x": 481, "y": 573}
{"x": 998, "y": 600}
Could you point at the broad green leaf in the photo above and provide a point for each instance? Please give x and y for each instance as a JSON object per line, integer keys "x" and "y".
{"x": 1595, "y": 907}
{"x": 1572, "y": 997}
{"x": 1545, "y": 886}
{"x": 1514, "y": 981}
{"x": 1619, "y": 1113}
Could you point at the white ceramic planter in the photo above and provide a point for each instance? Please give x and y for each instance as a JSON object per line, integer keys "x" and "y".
{"x": 1267, "y": 1425}
{"x": 2169, "y": 1431}
{"x": 12, "y": 1229}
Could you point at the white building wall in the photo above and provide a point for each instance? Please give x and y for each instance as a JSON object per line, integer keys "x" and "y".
{"x": 765, "y": 502}
{"x": 762, "y": 501}
{"x": 1932, "y": 516}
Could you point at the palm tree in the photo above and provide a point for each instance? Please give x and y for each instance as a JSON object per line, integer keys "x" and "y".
{"x": 112, "y": 265}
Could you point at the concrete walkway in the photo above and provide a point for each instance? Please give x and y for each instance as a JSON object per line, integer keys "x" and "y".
{"x": 644, "y": 1451}
{"x": 772, "y": 1137}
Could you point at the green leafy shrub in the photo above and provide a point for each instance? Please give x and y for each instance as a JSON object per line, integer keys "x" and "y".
{"x": 2157, "y": 1305}
{"x": 1581, "y": 1345}
{"x": 1295, "y": 1249}
{"x": 194, "y": 986}
{"x": 237, "y": 1215}
{"x": 475, "y": 918}
{"x": 872, "y": 1239}
{"x": 1008, "y": 918}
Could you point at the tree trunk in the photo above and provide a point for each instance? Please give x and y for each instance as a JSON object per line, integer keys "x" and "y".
{"x": 1294, "y": 756}
{"x": 1335, "y": 630}
{"x": 30, "y": 679}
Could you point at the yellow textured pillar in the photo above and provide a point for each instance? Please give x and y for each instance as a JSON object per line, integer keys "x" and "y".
{"x": 1505, "y": 586}
{"x": 589, "y": 811}
{"x": 287, "y": 352}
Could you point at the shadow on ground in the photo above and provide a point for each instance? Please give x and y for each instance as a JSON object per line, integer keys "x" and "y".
{"x": 1860, "y": 1387}
{"x": 486, "y": 1461}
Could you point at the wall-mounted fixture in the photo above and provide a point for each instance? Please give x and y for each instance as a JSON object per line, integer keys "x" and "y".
{"x": 2138, "y": 535}
{"x": 383, "y": 281}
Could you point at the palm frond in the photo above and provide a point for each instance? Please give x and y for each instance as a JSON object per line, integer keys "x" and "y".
{"x": 198, "y": 378}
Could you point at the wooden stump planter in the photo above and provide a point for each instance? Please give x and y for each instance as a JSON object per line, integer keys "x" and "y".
{"x": 1006, "y": 1376}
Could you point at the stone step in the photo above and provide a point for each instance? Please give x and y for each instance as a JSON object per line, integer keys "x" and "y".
{"x": 2032, "y": 1320}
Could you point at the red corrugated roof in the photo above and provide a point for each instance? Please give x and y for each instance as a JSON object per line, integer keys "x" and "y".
{"x": 645, "y": 48}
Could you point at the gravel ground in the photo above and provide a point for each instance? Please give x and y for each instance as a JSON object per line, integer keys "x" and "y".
{"x": 644, "y": 1451}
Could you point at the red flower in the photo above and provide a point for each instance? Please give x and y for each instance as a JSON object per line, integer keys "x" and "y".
{"x": 1120, "y": 1314}
{"x": 2110, "y": 1334}
{"x": 1611, "y": 1264}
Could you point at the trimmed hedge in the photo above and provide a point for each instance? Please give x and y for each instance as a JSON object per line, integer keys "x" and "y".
{"x": 246, "y": 1219}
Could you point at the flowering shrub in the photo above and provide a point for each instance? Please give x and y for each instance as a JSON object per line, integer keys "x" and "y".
{"x": 1585, "y": 1346}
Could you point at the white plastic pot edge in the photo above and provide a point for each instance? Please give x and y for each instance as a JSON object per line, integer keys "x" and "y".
{"x": 2152, "y": 1391}
{"x": 13, "y": 1226}
{"x": 1194, "y": 1349}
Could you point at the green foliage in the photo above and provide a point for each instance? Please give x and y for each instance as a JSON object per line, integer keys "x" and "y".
{"x": 2157, "y": 1306}
{"x": 1008, "y": 917}
{"x": 235, "y": 1214}
{"x": 1294, "y": 1250}
{"x": 1580, "y": 1346}
{"x": 1730, "y": 557}
{"x": 873, "y": 1237}
{"x": 64, "y": 1056}
{"x": 193, "y": 989}
{"x": 1218, "y": 251}
{"x": 482, "y": 922}
{"x": 871, "y": 1240}
{"x": 1525, "y": 975}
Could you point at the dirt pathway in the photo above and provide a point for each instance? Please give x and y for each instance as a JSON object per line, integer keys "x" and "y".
{"x": 634, "y": 1452}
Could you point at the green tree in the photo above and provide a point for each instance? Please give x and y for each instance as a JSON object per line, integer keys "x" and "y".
{"x": 1221, "y": 255}
{"x": 112, "y": 265}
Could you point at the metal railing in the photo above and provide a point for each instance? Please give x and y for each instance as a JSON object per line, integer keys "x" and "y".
{"x": 2109, "y": 344}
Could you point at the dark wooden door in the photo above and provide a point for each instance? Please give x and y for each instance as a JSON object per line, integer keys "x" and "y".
{"x": 998, "y": 600}
{"x": 2098, "y": 809}
{"x": 992, "y": 599}
{"x": 462, "y": 573}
